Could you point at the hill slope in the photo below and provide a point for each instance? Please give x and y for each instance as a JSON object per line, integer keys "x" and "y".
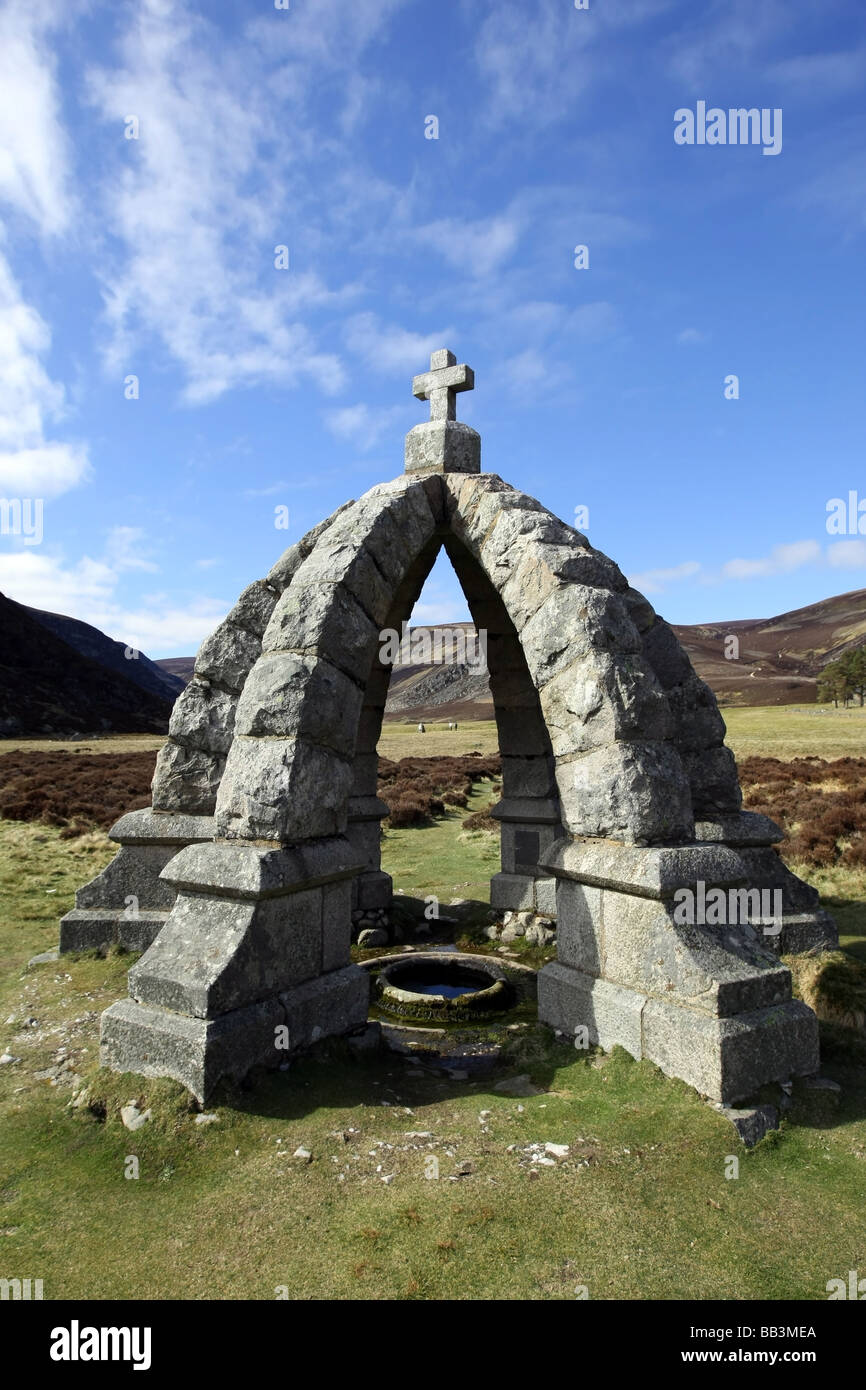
{"x": 48, "y": 687}
{"x": 778, "y": 663}
{"x": 95, "y": 645}
{"x": 780, "y": 658}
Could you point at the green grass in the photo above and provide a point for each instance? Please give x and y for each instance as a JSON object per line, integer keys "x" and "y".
{"x": 425, "y": 863}
{"x": 776, "y": 731}
{"x": 772, "y": 731}
{"x": 796, "y": 731}
{"x": 639, "y": 1209}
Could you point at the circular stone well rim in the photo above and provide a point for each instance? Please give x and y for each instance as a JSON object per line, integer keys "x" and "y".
{"x": 469, "y": 1007}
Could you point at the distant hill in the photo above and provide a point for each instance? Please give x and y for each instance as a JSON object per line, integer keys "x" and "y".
{"x": 780, "y": 658}
{"x": 47, "y": 687}
{"x": 779, "y": 662}
{"x": 95, "y": 645}
{"x": 180, "y": 667}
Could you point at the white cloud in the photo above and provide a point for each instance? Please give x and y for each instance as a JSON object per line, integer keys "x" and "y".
{"x": 389, "y": 348}
{"x": 34, "y": 184}
{"x": 781, "y": 560}
{"x": 692, "y": 336}
{"x": 539, "y": 64}
{"x": 479, "y": 248}
{"x": 30, "y": 465}
{"x": 42, "y": 581}
{"x": 656, "y": 581}
{"x": 362, "y": 425}
{"x": 33, "y": 143}
{"x": 847, "y": 555}
{"x": 438, "y": 613}
{"x": 198, "y": 206}
{"x": 817, "y": 75}
{"x": 729, "y": 36}
{"x": 87, "y": 590}
{"x": 125, "y": 549}
{"x": 270, "y": 491}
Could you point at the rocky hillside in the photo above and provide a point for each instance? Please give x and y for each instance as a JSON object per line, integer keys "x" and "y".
{"x": 777, "y": 662}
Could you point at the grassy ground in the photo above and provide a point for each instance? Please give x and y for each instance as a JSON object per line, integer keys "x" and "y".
{"x": 111, "y": 743}
{"x": 796, "y": 731}
{"x": 788, "y": 731}
{"x": 639, "y": 1207}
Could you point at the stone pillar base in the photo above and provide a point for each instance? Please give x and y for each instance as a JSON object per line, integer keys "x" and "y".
{"x": 523, "y": 893}
{"x": 96, "y": 928}
{"x": 200, "y": 1052}
{"x": 129, "y": 901}
{"x": 699, "y": 990}
{"x": 727, "y": 1059}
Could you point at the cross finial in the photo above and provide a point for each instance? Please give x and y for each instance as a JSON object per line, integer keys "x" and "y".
{"x": 440, "y": 385}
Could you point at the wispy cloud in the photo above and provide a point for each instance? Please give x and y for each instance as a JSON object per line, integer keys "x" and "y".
{"x": 34, "y": 187}
{"x": 783, "y": 559}
{"x": 34, "y": 145}
{"x": 87, "y": 589}
{"x": 691, "y": 337}
{"x": 656, "y": 581}
{"x": 271, "y": 491}
{"x": 387, "y": 347}
{"x": 198, "y": 203}
{"x": 126, "y": 549}
{"x": 847, "y": 555}
{"x": 362, "y": 425}
{"x": 476, "y": 247}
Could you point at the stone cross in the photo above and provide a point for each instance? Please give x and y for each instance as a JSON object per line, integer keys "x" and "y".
{"x": 440, "y": 385}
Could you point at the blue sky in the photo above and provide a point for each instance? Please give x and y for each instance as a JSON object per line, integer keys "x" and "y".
{"x": 262, "y": 388}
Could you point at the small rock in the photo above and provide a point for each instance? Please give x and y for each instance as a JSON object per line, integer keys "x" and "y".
{"x": 557, "y": 1150}
{"x": 484, "y": 1114}
{"x": 822, "y": 1083}
{"x": 464, "y": 1169}
{"x": 304, "y": 1155}
{"x": 753, "y": 1124}
{"x": 207, "y": 1119}
{"x": 6, "y": 1058}
{"x": 44, "y": 957}
{"x": 133, "y": 1118}
{"x": 372, "y": 936}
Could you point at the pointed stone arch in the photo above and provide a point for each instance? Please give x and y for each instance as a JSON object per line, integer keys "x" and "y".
{"x": 618, "y": 793}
